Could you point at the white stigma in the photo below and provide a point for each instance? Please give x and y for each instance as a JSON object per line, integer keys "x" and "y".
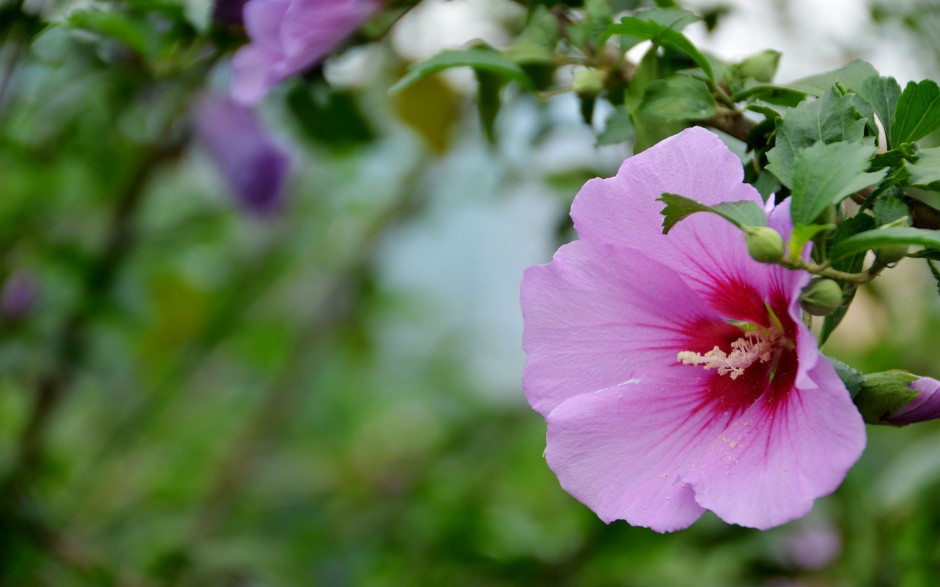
{"x": 752, "y": 347}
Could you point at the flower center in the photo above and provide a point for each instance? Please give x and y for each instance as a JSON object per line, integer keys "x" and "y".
{"x": 756, "y": 345}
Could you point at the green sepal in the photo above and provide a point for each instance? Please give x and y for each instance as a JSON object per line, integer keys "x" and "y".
{"x": 884, "y": 393}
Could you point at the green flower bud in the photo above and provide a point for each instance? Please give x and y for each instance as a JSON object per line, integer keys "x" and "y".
{"x": 587, "y": 82}
{"x": 821, "y": 297}
{"x": 764, "y": 244}
{"x": 882, "y": 394}
{"x": 890, "y": 254}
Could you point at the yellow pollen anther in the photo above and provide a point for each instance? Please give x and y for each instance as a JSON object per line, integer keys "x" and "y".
{"x": 752, "y": 347}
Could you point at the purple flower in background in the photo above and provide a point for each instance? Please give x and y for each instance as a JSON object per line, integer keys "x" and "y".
{"x": 253, "y": 167}
{"x": 288, "y": 36}
{"x": 926, "y": 406}
{"x": 675, "y": 372}
{"x": 18, "y": 296}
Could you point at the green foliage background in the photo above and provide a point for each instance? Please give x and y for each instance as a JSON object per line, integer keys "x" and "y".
{"x": 247, "y": 401}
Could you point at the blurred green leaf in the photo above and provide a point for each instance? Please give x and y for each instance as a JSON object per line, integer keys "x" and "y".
{"x": 770, "y": 93}
{"x": 479, "y": 58}
{"x": 674, "y": 18}
{"x": 850, "y": 76}
{"x": 330, "y": 117}
{"x": 132, "y": 32}
{"x": 430, "y": 107}
{"x": 489, "y": 86}
{"x": 678, "y": 98}
{"x": 617, "y": 128}
{"x": 536, "y": 43}
{"x": 872, "y": 239}
{"x": 648, "y": 29}
{"x": 917, "y": 113}
{"x": 825, "y": 174}
{"x": 761, "y": 66}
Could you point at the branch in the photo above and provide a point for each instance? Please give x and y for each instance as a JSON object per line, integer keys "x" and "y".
{"x": 70, "y": 347}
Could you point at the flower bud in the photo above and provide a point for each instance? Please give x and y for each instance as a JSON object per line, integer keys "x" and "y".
{"x": 890, "y": 254}
{"x": 587, "y": 82}
{"x": 926, "y": 406}
{"x": 764, "y": 244}
{"x": 821, "y": 297}
{"x": 898, "y": 398}
{"x": 254, "y": 167}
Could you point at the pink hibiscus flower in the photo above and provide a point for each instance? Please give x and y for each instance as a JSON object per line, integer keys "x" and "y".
{"x": 288, "y": 36}
{"x": 674, "y": 371}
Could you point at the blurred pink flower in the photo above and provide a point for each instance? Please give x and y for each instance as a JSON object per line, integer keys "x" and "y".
{"x": 288, "y": 36}
{"x": 925, "y": 406}
{"x": 674, "y": 372}
{"x": 252, "y": 165}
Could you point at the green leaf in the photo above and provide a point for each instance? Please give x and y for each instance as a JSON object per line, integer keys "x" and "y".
{"x": 926, "y": 170}
{"x": 917, "y": 113}
{"x": 136, "y": 34}
{"x": 935, "y": 271}
{"x": 479, "y": 58}
{"x": 489, "y": 86}
{"x": 888, "y": 208}
{"x": 536, "y": 43}
{"x": 647, "y": 130}
{"x": 678, "y": 98}
{"x": 761, "y": 66}
{"x": 829, "y": 119}
{"x": 770, "y": 93}
{"x": 849, "y": 376}
{"x": 882, "y": 93}
{"x": 851, "y": 264}
{"x": 617, "y": 129}
{"x": 825, "y": 174}
{"x": 766, "y": 184}
{"x": 329, "y": 117}
{"x": 674, "y": 18}
{"x": 880, "y": 237}
{"x": 802, "y": 234}
{"x": 742, "y": 213}
{"x": 660, "y": 34}
{"x": 851, "y": 76}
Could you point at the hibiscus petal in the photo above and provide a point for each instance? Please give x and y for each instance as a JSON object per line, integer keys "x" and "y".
{"x": 703, "y": 249}
{"x": 646, "y": 452}
{"x": 595, "y": 315}
{"x": 769, "y": 465}
{"x": 314, "y": 27}
{"x": 253, "y": 74}
{"x": 263, "y": 22}
{"x": 620, "y": 452}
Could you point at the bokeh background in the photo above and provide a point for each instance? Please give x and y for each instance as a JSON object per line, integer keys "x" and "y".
{"x": 330, "y": 394}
